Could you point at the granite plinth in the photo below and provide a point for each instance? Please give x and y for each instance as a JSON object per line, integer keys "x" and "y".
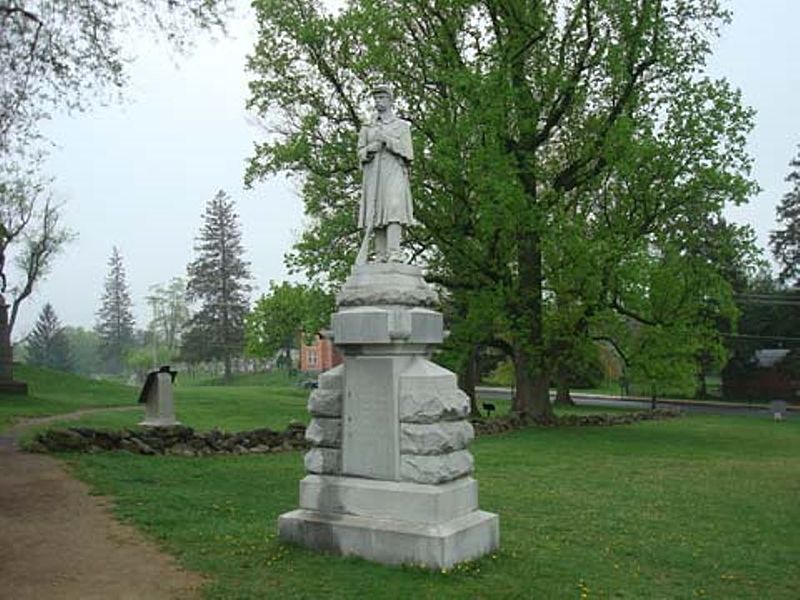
{"x": 435, "y": 526}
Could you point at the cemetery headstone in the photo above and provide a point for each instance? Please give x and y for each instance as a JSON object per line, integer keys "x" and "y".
{"x": 158, "y": 399}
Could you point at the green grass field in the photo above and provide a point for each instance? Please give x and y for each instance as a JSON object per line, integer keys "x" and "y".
{"x": 700, "y": 506}
{"x": 55, "y": 392}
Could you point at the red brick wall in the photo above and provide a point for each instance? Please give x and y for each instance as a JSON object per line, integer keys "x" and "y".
{"x": 320, "y": 356}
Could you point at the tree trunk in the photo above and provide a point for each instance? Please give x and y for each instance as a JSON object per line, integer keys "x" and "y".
{"x": 6, "y": 352}
{"x": 468, "y": 380}
{"x": 563, "y": 397}
{"x": 7, "y": 382}
{"x": 531, "y": 374}
{"x": 702, "y": 391}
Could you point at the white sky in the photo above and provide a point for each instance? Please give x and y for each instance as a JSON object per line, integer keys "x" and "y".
{"x": 138, "y": 175}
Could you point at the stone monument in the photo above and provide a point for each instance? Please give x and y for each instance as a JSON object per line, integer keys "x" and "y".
{"x": 156, "y": 395}
{"x": 389, "y": 471}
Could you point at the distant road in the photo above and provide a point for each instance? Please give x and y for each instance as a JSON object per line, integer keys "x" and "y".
{"x": 695, "y": 406}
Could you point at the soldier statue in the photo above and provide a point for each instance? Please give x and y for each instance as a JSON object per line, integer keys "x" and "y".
{"x": 385, "y": 153}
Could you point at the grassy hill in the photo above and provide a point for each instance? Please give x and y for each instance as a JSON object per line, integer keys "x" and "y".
{"x": 254, "y": 400}
{"x": 56, "y": 392}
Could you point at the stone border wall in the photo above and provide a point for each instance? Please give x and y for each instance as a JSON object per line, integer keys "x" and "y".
{"x": 184, "y": 441}
{"x": 512, "y": 422}
{"x": 177, "y": 440}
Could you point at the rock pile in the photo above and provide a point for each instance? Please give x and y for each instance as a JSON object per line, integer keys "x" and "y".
{"x": 177, "y": 440}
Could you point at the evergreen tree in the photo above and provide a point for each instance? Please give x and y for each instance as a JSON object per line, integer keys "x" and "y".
{"x": 114, "y": 319}
{"x": 785, "y": 242}
{"x": 218, "y": 278}
{"x": 48, "y": 345}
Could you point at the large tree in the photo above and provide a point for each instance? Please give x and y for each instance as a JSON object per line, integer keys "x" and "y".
{"x": 48, "y": 345}
{"x": 31, "y": 235}
{"x": 218, "y": 278}
{"x": 115, "y": 319}
{"x": 170, "y": 313}
{"x": 785, "y": 242}
{"x": 564, "y": 148}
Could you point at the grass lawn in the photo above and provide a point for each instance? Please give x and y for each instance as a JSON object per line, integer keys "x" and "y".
{"x": 55, "y": 392}
{"x": 695, "y": 507}
{"x": 701, "y": 506}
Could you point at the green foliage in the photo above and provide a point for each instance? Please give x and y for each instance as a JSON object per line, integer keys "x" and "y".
{"x": 281, "y": 316}
{"x": 48, "y": 345}
{"x": 142, "y": 359}
{"x": 170, "y": 313}
{"x": 115, "y": 319}
{"x": 218, "y": 278}
{"x": 84, "y": 348}
{"x": 785, "y": 242}
{"x": 563, "y": 150}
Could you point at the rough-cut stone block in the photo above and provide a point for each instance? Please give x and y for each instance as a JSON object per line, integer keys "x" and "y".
{"x": 436, "y": 546}
{"x": 435, "y": 438}
{"x": 325, "y": 432}
{"x": 323, "y": 461}
{"x": 398, "y": 500}
{"x": 428, "y": 393}
{"x": 332, "y": 379}
{"x": 435, "y": 469}
{"x": 325, "y": 403}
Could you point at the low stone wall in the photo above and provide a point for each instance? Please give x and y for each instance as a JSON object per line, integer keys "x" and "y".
{"x": 178, "y": 440}
{"x": 185, "y": 441}
{"x": 512, "y": 422}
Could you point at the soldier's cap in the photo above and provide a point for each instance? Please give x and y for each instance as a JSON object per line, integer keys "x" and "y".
{"x": 382, "y": 88}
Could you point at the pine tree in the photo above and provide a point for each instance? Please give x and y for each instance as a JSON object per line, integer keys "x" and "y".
{"x": 48, "y": 345}
{"x": 114, "y": 319}
{"x": 785, "y": 243}
{"x": 218, "y": 278}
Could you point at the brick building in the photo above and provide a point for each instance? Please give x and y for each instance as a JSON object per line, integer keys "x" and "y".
{"x": 320, "y": 356}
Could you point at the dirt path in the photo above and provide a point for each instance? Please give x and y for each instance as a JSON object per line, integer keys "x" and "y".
{"x": 57, "y": 541}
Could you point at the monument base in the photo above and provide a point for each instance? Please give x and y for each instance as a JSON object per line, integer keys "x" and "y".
{"x": 435, "y": 526}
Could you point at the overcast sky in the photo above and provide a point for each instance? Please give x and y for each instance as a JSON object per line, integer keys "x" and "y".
{"x": 138, "y": 175}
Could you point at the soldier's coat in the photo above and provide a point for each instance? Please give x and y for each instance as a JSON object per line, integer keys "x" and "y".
{"x": 385, "y": 192}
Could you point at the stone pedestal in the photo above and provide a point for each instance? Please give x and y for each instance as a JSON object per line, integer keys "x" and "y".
{"x": 158, "y": 400}
{"x": 389, "y": 467}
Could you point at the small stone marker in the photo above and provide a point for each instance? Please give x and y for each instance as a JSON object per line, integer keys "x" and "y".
{"x": 157, "y": 397}
{"x": 778, "y": 409}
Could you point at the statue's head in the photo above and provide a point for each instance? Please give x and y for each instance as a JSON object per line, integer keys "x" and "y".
{"x": 383, "y": 97}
